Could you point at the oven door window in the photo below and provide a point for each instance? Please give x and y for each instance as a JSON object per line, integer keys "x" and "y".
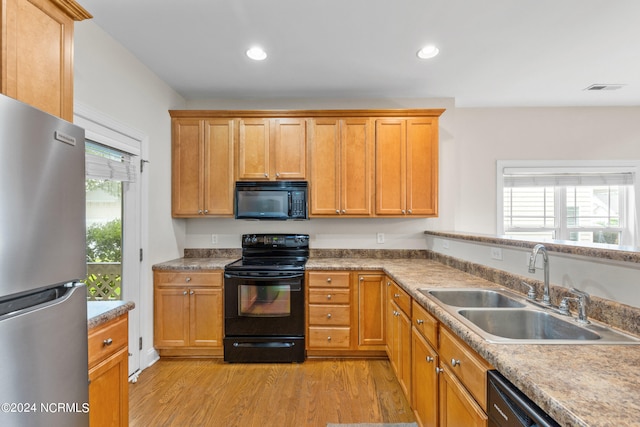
{"x": 264, "y": 301}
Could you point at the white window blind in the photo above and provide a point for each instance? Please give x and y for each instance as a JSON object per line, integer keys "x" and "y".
{"x": 523, "y": 177}
{"x": 107, "y": 163}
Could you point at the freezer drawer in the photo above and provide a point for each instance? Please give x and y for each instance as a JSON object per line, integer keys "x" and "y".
{"x": 43, "y": 361}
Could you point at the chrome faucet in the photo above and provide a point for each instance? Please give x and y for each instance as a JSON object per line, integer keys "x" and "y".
{"x": 532, "y": 269}
{"x": 583, "y": 301}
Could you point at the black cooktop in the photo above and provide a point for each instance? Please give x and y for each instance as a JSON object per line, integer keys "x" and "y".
{"x": 272, "y": 252}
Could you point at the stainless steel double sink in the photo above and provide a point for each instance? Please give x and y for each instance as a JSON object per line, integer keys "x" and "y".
{"x": 502, "y": 316}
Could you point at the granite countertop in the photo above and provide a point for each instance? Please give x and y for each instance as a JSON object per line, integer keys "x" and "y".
{"x": 100, "y": 312}
{"x": 578, "y": 385}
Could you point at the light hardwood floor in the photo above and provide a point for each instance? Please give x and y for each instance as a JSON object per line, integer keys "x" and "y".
{"x": 200, "y": 392}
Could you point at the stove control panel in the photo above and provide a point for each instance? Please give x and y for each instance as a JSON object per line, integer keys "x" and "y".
{"x": 275, "y": 240}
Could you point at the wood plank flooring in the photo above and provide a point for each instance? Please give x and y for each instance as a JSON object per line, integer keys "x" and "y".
{"x": 199, "y": 392}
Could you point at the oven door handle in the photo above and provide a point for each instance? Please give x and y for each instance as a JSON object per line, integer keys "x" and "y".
{"x": 263, "y": 278}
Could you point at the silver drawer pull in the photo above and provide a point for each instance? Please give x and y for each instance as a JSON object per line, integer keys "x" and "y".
{"x": 328, "y": 338}
{"x": 419, "y": 321}
{"x": 328, "y": 279}
{"x": 107, "y": 342}
{"x": 429, "y": 359}
{"x": 439, "y": 370}
{"x": 328, "y": 315}
{"x": 396, "y": 295}
{"x": 329, "y": 296}
{"x": 455, "y": 362}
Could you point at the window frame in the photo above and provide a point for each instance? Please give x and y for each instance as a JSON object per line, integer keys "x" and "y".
{"x": 629, "y": 211}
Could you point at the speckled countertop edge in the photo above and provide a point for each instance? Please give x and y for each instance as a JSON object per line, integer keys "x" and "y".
{"x": 594, "y": 250}
{"x": 578, "y": 385}
{"x": 100, "y": 312}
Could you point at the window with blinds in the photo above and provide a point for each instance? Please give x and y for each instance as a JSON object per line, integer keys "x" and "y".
{"x": 594, "y": 204}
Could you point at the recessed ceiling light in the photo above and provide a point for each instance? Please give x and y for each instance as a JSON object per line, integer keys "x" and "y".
{"x": 257, "y": 54}
{"x": 428, "y": 52}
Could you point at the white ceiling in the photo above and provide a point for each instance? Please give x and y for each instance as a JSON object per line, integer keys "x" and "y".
{"x": 492, "y": 52}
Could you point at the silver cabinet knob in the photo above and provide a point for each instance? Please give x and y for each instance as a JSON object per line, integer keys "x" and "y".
{"x": 266, "y": 175}
{"x": 429, "y": 359}
{"x": 278, "y": 174}
{"x": 328, "y": 279}
{"x": 396, "y": 295}
{"x": 191, "y": 292}
{"x": 439, "y": 370}
{"x": 329, "y": 296}
{"x": 404, "y": 212}
{"x": 337, "y": 211}
{"x": 344, "y": 211}
{"x": 206, "y": 211}
{"x": 328, "y": 315}
{"x": 410, "y": 212}
{"x": 199, "y": 211}
{"x": 419, "y": 321}
{"x": 107, "y": 342}
{"x": 455, "y": 362}
{"x": 188, "y": 279}
{"x": 184, "y": 292}
{"x": 328, "y": 338}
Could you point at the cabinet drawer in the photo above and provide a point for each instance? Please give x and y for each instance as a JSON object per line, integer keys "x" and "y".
{"x": 466, "y": 365}
{"x": 106, "y": 339}
{"x": 425, "y": 323}
{"x": 329, "y": 279}
{"x": 200, "y": 278}
{"x": 329, "y": 296}
{"x": 326, "y": 314}
{"x": 339, "y": 337}
{"x": 403, "y": 299}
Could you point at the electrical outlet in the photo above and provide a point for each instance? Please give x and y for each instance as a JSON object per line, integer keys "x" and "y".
{"x": 496, "y": 253}
{"x": 380, "y": 237}
{"x": 214, "y": 239}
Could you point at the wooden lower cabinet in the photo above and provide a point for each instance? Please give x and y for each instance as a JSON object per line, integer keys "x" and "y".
{"x": 424, "y": 393}
{"x": 457, "y": 407}
{"x": 399, "y": 335}
{"x": 371, "y": 311}
{"x": 345, "y": 313}
{"x": 188, "y": 313}
{"x": 108, "y": 374}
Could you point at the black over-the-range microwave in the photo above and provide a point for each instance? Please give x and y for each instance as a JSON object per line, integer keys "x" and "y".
{"x": 273, "y": 200}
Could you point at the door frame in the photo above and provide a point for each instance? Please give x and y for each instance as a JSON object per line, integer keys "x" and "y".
{"x": 105, "y": 130}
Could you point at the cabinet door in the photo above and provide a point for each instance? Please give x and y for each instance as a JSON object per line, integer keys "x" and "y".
{"x": 422, "y": 167}
{"x": 289, "y": 149}
{"x": 424, "y": 381}
{"x": 404, "y": 353}
{"x": 171, "y": 317}
{"x": 390, "y": 329}
{"x": 457, "y": 407}
{"x": 253, "y": 149}
{"x": 390, "y": 166}
{"x": 205, "y": 317}
{"x": 186, "y": 167}
{"x": 325, "y": 167}
{"x": 371, "y": 309}
{"x": 218, "y": 167}
{"x": 37, "y": 55}
{"x": 109, "y": 391}
{"x": 356, "y": 174}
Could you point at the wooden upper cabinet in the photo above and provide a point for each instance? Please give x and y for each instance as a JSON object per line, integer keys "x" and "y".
{"x": 341, "y": 167}
{"x": 202, "y": 167}
{"x": 407, "y": 167}
{"x": 37, "y": 53}
{"x": 272, "y": 149}
{"x": 253, "y": 149}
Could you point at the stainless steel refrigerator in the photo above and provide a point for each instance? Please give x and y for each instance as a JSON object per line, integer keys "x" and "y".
{"x": 43, "y": 307}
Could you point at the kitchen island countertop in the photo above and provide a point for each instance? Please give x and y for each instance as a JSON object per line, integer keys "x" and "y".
{"x": 578, "y": 385}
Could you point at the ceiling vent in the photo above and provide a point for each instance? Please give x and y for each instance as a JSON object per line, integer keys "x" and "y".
{"x": 604, "y": 87}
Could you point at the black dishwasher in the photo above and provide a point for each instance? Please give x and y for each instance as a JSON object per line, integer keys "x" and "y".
{"x": 509, "y": 407}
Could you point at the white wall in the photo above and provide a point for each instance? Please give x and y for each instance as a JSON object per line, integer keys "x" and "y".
{"x": 485, "y": 135}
